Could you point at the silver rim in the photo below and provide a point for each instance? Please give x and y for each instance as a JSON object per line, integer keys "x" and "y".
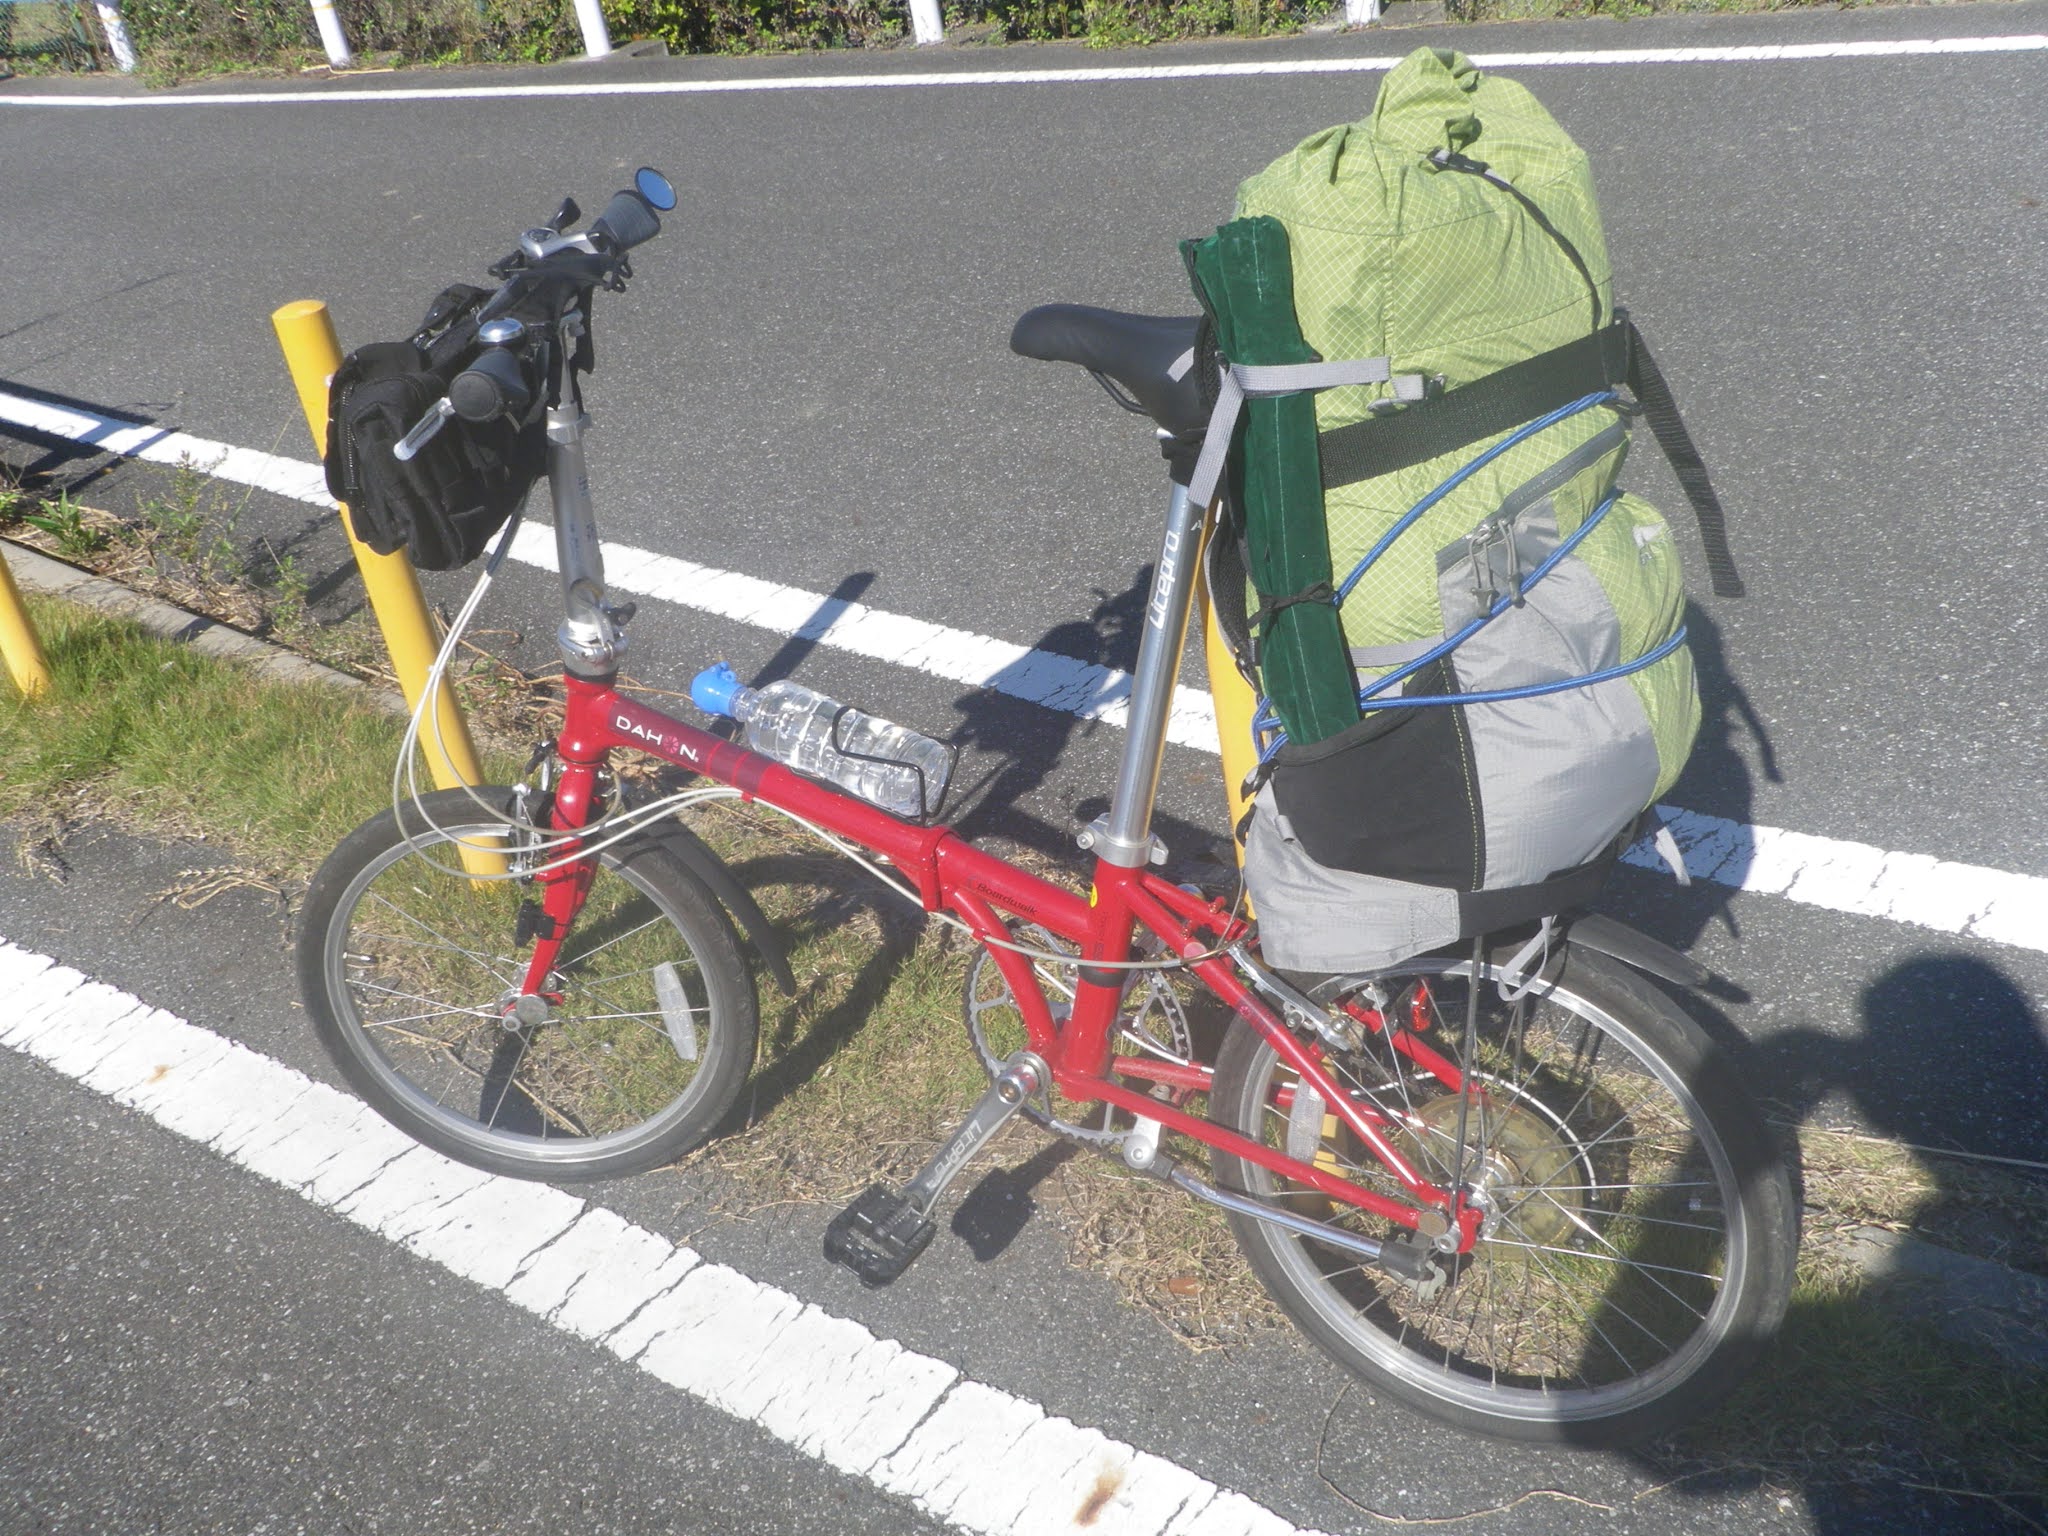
{"x": 1617, "y": 1251}
{"x": 420, "y": 970}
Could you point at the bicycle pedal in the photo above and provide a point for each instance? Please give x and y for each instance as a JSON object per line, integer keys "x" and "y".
{"x": 878, "y": 1235}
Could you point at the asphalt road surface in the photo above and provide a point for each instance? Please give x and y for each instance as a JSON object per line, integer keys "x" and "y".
{"x": 1841, "y": 262}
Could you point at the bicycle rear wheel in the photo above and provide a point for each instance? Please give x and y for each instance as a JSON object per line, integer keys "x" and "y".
{"x": 410, "y": 969}
{"x": 1639, "y": 1236}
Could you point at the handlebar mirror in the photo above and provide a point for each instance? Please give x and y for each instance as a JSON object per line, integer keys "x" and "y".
{"x": 655, "y": 188}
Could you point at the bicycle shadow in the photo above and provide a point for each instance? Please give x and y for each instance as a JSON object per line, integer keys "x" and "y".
{"x": 820, "y": 899}
{"x": 810, "y": 896}
{"x": 1017, "y": 750}
{"x": 1013, "y": 752}
{"x": 1016, "y": 746}
{"x": 1009, "y": 748}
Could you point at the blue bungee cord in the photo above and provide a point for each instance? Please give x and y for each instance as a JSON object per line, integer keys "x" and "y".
{"x": 1269, "y": 736}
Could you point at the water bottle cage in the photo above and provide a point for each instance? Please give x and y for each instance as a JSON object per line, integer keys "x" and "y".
{"x": 930, "y": 812}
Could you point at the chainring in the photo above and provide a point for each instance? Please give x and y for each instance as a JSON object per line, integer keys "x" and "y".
{"x": 1153, "y": 1022}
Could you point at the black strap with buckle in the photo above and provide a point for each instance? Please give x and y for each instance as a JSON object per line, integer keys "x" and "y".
{"x": 1612, "y": 356}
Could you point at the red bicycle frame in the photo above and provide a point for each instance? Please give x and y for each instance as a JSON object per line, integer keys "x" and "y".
{"x": 951, "y": 875}
{"x": 983, "y": 892}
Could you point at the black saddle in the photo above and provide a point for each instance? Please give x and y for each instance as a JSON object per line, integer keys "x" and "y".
{"x": 1142, "y": 353}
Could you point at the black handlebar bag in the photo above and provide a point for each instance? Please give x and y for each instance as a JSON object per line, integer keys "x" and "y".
{"x": 443, "y": 506}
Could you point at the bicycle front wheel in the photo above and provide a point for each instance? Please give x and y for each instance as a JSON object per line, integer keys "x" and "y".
{"x": 1639, "y": 1231}
{"x": 411, "y": 971}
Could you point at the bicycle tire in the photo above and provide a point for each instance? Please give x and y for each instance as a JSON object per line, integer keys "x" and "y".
{"x": 407, "y": 969}
{"x": 1643, "y": 1236}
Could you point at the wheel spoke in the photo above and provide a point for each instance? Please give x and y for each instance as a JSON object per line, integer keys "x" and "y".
{"x": 435, "y": 1009}
{"x": 599, "y": 949}
{"x": 441, "y": 940}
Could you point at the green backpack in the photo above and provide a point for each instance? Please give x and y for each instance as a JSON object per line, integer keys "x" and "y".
{"x": 1469, "y": 645}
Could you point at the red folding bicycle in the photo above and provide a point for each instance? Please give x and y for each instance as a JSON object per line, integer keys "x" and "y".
{"x": 1522, "y": 1192}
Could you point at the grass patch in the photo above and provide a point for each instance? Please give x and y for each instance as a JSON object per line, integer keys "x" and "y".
{"x": 181, "y": 543}
{"x": 1855, "y": 1395}
{"x": 1994, "y": 1210}
{"x": 869, "y": 1064}
{"x": 1858, "y": 1394}
{"x": 152, "y": 736}
{"x": 43, "y": 35}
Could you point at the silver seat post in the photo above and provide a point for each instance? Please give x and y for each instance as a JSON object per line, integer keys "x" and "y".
{"x": 1124, "y": 836}
{"x": 590, "y": 639}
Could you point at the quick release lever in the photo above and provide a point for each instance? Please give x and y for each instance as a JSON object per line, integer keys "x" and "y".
{"x": 423, "y": 430}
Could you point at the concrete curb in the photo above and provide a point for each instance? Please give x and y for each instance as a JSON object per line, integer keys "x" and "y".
{"x": 38, "y": 572}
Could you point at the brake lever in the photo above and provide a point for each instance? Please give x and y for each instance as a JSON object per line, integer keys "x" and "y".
{"x": 423, "y": 431}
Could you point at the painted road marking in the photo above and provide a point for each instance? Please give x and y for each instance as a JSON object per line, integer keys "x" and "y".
{"x": 1840, "y": 876}
{"x": 1765, "y": 53}
{"x": 1072, "y": 687}
{"x": 966, "y": 1453}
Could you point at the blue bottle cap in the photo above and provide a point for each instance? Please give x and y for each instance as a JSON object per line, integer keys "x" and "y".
{"x": 714, "y": 689}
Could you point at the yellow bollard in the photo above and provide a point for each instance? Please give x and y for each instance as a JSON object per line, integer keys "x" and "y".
{"x": 26, "y": 662}
{"x": 305, "y": 331}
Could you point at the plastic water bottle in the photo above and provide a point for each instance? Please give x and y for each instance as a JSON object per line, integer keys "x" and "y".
{"x": 794, "y": 725}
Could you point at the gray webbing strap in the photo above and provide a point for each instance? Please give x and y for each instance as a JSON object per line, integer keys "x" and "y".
{"x": 1669, "y": 851}
{"x": 1248, "y": 381}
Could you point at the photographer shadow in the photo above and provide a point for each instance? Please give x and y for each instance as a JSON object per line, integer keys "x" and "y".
{"x": 1891, "y": 1395}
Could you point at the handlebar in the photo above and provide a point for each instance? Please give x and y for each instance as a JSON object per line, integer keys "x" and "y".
{"x": 494, "y": 385}
{"x": 541, "y": 282}
{"x": 627, "y": 221}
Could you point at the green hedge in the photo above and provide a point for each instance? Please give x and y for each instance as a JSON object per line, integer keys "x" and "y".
{"x": 729, "y": 26}
{"x": 182, "y": 37}
{"x": 179, "y": 37}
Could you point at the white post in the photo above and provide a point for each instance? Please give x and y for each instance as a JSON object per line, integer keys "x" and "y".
{"x": 926, "y": 25}
{"x": 117, "y": 35}
{"x": 597, "y": 42}
{"x": 1361, "y": 13}
{"x": 330, "y": 33}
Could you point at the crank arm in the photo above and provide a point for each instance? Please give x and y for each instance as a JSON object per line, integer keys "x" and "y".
{"x": 1023, "y": 1075}
{"x": 882, "y": 1231}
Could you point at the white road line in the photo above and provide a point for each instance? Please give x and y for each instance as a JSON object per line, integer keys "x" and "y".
{"x": 1039, "y": 677}
{"x": 975, "y": 1457}
{"x": 1858, "y": 878}
{"x": 1740, "y": 54}
{"x": 244, "y": 466}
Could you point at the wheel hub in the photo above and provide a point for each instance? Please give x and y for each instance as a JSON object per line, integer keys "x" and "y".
{"x": 1525, "y": 1184}
{"x": 527, "y": 1012}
